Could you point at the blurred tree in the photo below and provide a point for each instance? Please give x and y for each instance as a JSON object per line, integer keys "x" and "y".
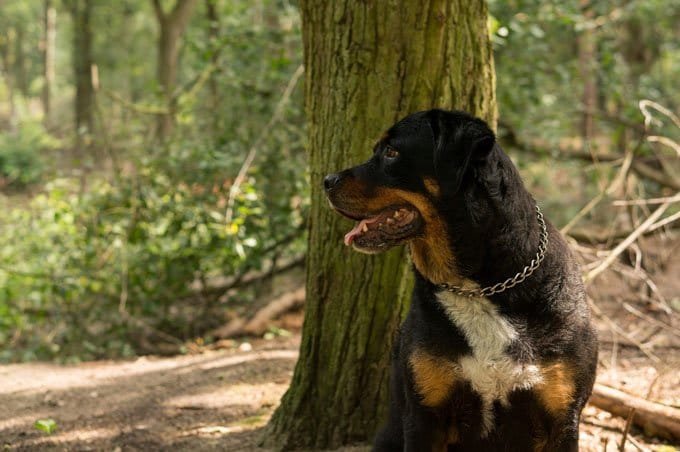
{"x": 212, "y": 35}
{"x": 49, "y": 43}
{"x": 367, "y": 64}
{"x": 171, "y": 26}
{"x": 81, "y": 11}
{"x": 587, "y": 48}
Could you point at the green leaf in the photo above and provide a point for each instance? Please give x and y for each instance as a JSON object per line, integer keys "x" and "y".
{"x": 48, "y": 426}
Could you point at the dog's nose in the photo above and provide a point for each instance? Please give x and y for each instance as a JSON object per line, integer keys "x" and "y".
{"x": 331, "y": 181}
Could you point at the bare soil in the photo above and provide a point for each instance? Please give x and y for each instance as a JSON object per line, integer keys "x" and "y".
{"x": 221, "y": 399}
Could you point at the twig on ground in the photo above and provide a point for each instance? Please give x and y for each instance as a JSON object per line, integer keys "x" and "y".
{"x": 670, "y": 328}
{"x": 618, "y": 330}
{"x": 626, "y": 429}
{"x": 668, "y": 220}
{"x": 626, "y": 243}
{"x": 654, "y": 418}
{"x": 613, "y": 187}
{"x": 643, "y": 276}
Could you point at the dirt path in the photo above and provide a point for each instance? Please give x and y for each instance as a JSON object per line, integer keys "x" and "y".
{"x": 213, "y": 401}
{"x": 218, "y": 400}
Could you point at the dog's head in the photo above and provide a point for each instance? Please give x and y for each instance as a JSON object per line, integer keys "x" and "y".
{"x": 418, "y": 169}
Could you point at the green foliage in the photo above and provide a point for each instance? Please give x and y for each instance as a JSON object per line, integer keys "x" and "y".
{"x": 110, "y": 263}
{"x": 76, "y": 268}
{"x": 22, "y": 152}
{"x": 46, "y": 425}
{"x": 539, "y": 81}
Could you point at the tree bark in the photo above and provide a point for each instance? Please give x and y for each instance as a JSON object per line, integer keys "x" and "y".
{"x": 587, "y": 49}
{"x": 367, "y": 64}
{"x": 171, "y": 26}
{"x": 81, "y": 11}
{"x": 212, "y": 35}
{"x": 48, "y": 58}
{"x": 7, "y": 62}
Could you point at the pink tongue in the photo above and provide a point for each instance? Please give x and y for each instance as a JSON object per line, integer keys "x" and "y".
{"x": 357, "y": 230}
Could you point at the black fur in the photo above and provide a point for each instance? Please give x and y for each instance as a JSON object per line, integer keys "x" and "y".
{"x": 492, "y": 231}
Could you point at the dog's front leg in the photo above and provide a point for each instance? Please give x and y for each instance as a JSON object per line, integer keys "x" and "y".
{"x": 423, "y": 429}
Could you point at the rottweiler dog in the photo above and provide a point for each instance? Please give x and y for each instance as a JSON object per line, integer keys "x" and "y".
{"x": 497, "y": 352}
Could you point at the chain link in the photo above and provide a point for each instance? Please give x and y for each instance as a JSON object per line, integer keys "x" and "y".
{"x": 512, "y": 281}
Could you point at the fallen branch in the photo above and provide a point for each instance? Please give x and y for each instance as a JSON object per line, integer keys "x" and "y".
{"x": 654, "y": 418}
{"x": 258, "y": 323}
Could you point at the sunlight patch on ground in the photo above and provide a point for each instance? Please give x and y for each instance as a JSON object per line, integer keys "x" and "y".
{"x": 266, "y": 394}
{"x": 18, "y": 421}
{"x": 86, "y": 435}
{"x": 232, "y": 360}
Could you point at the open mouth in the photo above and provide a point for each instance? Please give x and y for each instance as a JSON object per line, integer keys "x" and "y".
{"x": 383, "y": 230}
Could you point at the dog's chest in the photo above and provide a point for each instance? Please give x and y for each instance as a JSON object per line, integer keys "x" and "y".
{"x": 490, "y": 370}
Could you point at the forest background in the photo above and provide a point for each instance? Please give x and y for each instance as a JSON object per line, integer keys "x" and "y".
{"x": 154, "y": 180}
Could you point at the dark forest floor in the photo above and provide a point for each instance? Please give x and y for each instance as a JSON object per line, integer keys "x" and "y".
{"x": 221, "y": 399}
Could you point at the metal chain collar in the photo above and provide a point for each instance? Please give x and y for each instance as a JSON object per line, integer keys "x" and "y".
{"x": 513, "y": 281}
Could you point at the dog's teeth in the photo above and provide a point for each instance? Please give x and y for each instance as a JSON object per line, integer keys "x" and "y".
{"x": 390, "y": 221}
{"x": 364, "y": 228}
{"x": 397, "y": 214}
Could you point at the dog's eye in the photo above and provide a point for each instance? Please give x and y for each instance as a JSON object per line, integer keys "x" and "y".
{"x": 391, "y": 153}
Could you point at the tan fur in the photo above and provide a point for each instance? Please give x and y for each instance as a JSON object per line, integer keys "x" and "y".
{"x": 431, "y": 186}
{"x": 556, "y": 391}
{"x": 434, "y": 377}
{"x": 431, "y": 251}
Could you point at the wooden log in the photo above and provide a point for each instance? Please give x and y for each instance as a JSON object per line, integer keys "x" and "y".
{"x": 654, "y": 418}
{"x": 258, "y": 324}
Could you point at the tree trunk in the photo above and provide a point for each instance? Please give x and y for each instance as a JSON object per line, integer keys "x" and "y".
{"x": 20, "y": 62}
{"x": 81, "y": 10}
{"x": 587, "y": 48}
{"x": 367, "y": 65}
{"x": 213, "y": 35}
{"x": 48, "y": 58}
{"x": 7, "y": 57}
{"x": 172, "y": 26}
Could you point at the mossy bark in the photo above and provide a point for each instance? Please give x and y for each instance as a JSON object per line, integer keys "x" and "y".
{"x": 367, "y": 63}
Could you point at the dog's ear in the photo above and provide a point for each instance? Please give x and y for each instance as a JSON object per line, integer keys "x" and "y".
{"x": 460, "y": 141}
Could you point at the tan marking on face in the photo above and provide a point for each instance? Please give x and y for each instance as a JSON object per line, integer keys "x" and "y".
{"x": 431, "y": 186}
{"x": 556, "y": 392}
{"x": 431, "y": 250}
{"x": 434, "y": 377}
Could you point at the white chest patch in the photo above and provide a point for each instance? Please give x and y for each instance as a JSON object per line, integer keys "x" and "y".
{"x": 492, "y": 373}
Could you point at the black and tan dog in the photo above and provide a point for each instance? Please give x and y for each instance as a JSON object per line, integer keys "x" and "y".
{"x": 497, "y": 351}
